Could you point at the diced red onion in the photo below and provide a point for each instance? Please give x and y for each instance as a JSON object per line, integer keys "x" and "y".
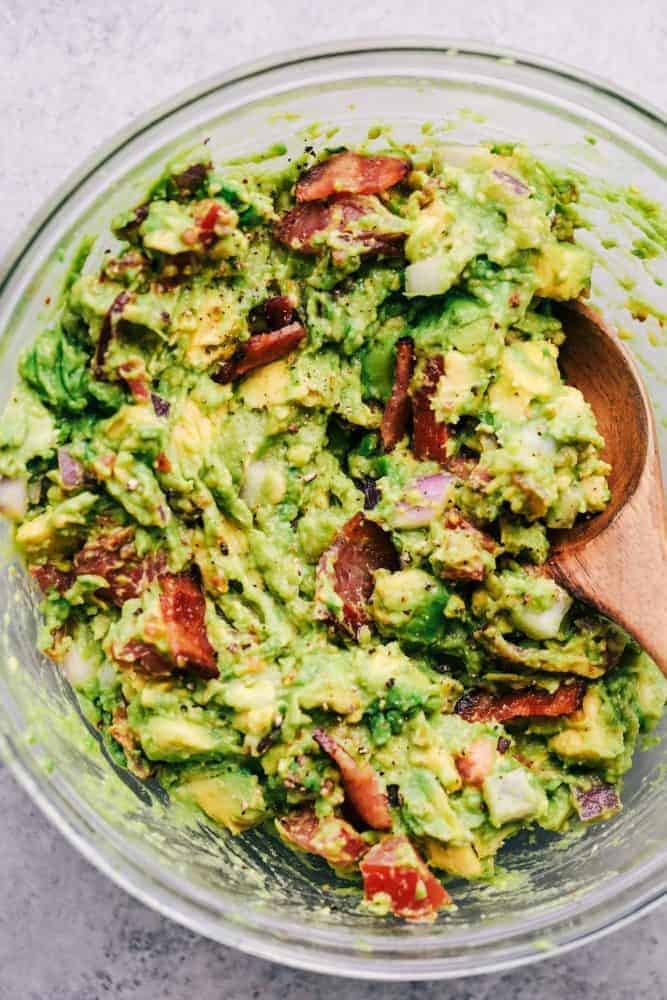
{"x": 369, "y": 488}
{"x": 596, "y": 802}
{"x": 161, "y": 406}
{"x": 13, "y": 498}
{"x": 71, "y": 470}
{"x": 434, "y": 490}
{"x": 510, "y": 181}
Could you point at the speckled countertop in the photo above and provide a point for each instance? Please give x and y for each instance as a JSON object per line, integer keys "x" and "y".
{"x": 71, "y": 73}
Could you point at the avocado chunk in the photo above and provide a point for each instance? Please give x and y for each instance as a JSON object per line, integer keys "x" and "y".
{"x": 409, "y": 604}
{"x": 427, "y": 810}
{"x": 563, "y": 270}
{"x": 165, "y": 738}
{"x": 457, "y": 859}
{"x": 233, "y": 798}
{"x": 593, "y": 734}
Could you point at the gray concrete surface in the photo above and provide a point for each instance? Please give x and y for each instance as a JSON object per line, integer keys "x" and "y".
{"x": 70, "y": 74}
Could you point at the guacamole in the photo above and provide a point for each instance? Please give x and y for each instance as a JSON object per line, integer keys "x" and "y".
{"x": 285, "y": 468}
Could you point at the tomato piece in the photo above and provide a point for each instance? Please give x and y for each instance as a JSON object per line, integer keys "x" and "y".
{"x": 351, "y": 173}
{"x": 483, "y": 706}
{"x": 394, "y": 869}
{"x": 398, "y": 409}
{"x": 299, "y": 227}
{"x": 211, "y": 217}
{"x": 477, "y": 762}
{"x": 361, "y": 548}
{"x": 112, "y": 556}
{"x": 261, "y": 349}
{"x": 184, "y": 609}
{"x": 330, "y": 838}
{"x": 361, "y": 783}
{"x": 429, "y": 436}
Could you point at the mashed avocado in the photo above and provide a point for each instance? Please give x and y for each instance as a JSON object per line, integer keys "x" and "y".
{"x": 285, "y": 468}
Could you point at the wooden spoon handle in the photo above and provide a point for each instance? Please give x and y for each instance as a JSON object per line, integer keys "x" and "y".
{"x": 622, "y": 572}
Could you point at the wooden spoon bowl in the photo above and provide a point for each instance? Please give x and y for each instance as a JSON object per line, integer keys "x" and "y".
{"x": 617, "y": 560}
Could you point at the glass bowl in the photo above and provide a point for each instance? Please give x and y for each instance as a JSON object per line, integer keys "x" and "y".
{"x": 556, "y": 893}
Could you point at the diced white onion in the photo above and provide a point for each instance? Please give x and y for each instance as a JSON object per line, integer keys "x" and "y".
{"x": 427, "y": 277}
{"x": 77, "y": 669}
{"x": 542, "y": 624}
{"x": 13, "y": 498}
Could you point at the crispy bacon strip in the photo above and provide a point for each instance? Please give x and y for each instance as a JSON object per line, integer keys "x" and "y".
{"x": 483, "y": 706}
{"x": 394, "y": 869}
{"x": 361, "y": 548}
{"x": 351, "y": 173}
{"x": 299, "y": 227}
{"x": 360, "y": 781}
{"x": 398, "y": 409}
{"x": 429, "y": 436}
{"x": 183, "y": 615}
{"x": 109, "y": 323}
{"x": 272, "y": 314}
{"x": 49, "y": 576}
{"x": 184, "y": 608}
{"x": 113, "y": 556}
{"x": 123, "y": 734}
{"x": 331, "y": 838}
{"x": 477, "y": 762}
{"x": 261, "y": 349}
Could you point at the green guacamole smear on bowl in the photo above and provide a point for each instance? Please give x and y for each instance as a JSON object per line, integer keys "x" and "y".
{"x": 285, "y": 468}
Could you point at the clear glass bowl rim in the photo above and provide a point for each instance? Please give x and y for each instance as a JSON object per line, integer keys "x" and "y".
{"x": 287, "y": 943}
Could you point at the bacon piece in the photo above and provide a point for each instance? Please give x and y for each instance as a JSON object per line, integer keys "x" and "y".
{"x": 109, "y": 324}
{"x": 360, "y": 781}
{"x": 397, "y": 411}
{"x": 144, "y": 658}
{"x": 483, "y": 706}
{"x": 394, "y": 869}
{"x": 113, "y": 557}
{"x": 50, "y": 577}
{"x": 183, "y": 609}
{"x": 261, "y": 349}
{"x": 190, "y": 179}
{"x": 162, "y": 463}
{"x": 351, "y": 173}
{"x": 331, "y": 838}
{"x": 299, "y": 227}
{"x": 123, "y": 734}
{"x": 361, "y": 548}
{"x": 477, "y": 762}
{"x": 429, "y": 436}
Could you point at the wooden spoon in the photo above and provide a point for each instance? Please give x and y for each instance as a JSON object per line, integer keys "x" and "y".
{"x": 617, "y": 560}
